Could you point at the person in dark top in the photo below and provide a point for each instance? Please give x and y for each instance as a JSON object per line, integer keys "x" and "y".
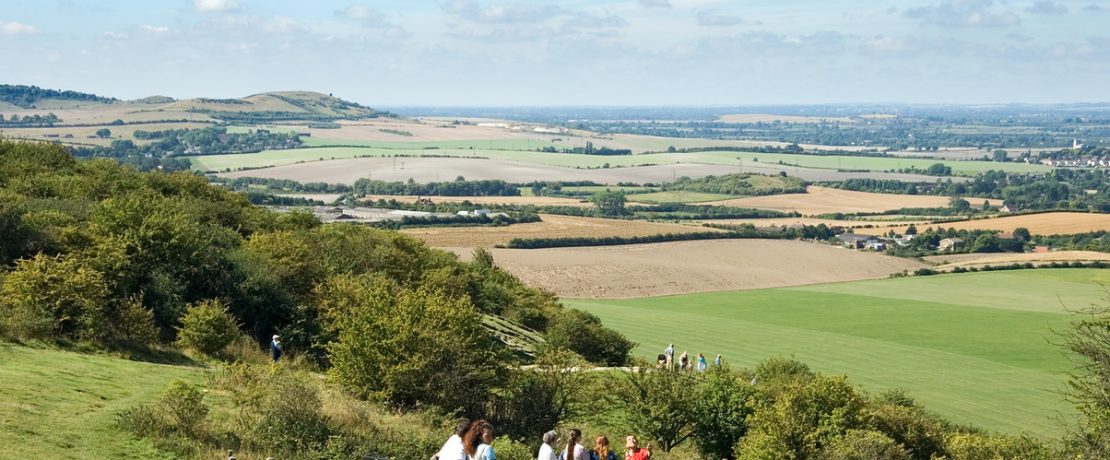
{"x": 275, "y": 348}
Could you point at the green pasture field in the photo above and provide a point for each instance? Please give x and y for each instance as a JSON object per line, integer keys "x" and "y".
{"x": 977, "y": 348}
{"x": 677, "y": 196}
{"x": 283, "y": 157}
{"x": 63, "y": 405}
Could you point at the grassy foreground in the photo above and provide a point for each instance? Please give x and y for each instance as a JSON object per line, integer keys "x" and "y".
{"x": 976, "y": 348}
{"x": 63, "y": 405}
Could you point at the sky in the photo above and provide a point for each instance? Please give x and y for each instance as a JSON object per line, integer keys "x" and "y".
{"x": 567, "y": 53}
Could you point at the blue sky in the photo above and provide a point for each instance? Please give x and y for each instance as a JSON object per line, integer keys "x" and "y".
{"x": 627, "y": 52}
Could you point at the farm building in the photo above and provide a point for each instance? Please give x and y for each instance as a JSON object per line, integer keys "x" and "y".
{"x": 857, "y": 241}
{"x": 949, "y": 244}
{"x": 1010, "y": 206}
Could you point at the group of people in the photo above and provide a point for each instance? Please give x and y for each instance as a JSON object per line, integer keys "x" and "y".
{"x": 474, "y": 441}
{"x": 666, "y": 360}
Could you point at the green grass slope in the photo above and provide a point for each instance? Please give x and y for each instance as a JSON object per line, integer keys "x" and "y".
{"x": 63, "y": 405}
{"x": 976, "y": 348}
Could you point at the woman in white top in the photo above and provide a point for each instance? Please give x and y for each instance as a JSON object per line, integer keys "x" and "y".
{"x": 547, "y": 449}
{"x": 574, "y": 450}
{"x": 477, "y": 441}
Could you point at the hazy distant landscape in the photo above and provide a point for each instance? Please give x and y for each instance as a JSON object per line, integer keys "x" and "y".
{"x": 313, "y": 232}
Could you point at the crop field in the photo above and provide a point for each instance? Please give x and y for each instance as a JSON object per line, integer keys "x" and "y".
{"x": 87, "y": 134}
{"x": 691, "y": 266}
{"x": 488, "y": 200}
{"x": 976, "y": 348}
{"x": 770, "y": 118}
{"x": 474, "y": 165}
{"x": 950, "y": 261}
{"x": 756, "y": 162}
{"x": 677, "y": 196}
{"x": 552, "y": 226}
{"x": 822, "y": 200}
{"x": 1048, "y": 223}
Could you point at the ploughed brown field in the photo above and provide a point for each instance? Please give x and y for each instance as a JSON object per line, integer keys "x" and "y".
{"x": 613, "y": 272}
{"x": 1049, "y": 223}
{"x": 552, "y": 226}
{"x": 823, "y": 200}
{"x": 950, "y": 261}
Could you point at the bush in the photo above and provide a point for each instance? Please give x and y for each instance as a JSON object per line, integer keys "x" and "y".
{"x": 583, "y": 333}
{"x": 973, "y": 446}
{"x": 507, "y": 449}
{"x": 863, "y": 445}
{"x": 721, "y": 410}
{"x": 279, "y": 409}
{"x": 180, "y": 411}
{"x": 207, "y": 327}
{"x": 46, "y": 297}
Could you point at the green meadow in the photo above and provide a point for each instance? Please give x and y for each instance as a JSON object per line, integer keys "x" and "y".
{"x": 63, "y": 404}
{"x": 977, "y": 348}
{"x": 834, "y": 162}
{"x": 677, "y": 196}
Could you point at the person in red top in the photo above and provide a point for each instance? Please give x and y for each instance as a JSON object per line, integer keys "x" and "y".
{"x": 635, "y": 452}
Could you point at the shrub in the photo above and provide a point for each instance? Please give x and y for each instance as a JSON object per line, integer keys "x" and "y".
{"x": 973, "y": 446}
{"x": 279, "y": 409}
{"x": 583, "y": 333}
{"x": 180, "y": 411}
{"x": 721, "y": 410}
{"x": 863, "y": 445}
{"x": 207, "y": 327}
{"x": 45, "y": 297}
{"x": 507, "y": 449}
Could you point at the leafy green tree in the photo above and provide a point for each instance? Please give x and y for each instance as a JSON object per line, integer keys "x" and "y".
{"x": 59, "y": 296}
{"x": 407, "y": 347}
{"x": 999, "y": 156}
{"x": 609, "y": 202}
{"x": 207, "y": 327}
{"x": 538, "y": 399}
{"x": 976, "y": 446}
{"x": 805, "y": 418}
{"x": 722, "y": 406}
{"x": 863, "y": 445}
{"x": 896, "y": 416}
{"x": 1022, "y": 234}
{"x": 583, "y": 333}
{"x": 660, "y": 405}
{"x": 1089, "y": 385}
{"x": 103, "y": 133}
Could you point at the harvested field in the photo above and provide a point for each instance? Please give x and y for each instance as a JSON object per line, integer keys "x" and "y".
{"x": 511, "y": 200}
{"x": 822, "y": 200}
{"x": 1049, "y": 223}
{"x": 691, "y": 266}
{"x": 552, "y": 226}
{"x": 86, "y": 134}
{"x": 948, "y": 262}
{"x": 437, "y": 169}
{"x": 793, "y": 221}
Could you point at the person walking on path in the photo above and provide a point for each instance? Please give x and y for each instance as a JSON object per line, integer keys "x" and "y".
{"x": 477, "y": 441}
{"x": 547, "y": 449}
{"x": 684, "y": 361}
{"x": 275, "y": 348}
{"x": 453, "y": 448}
{"x": 635, "y": 452}
{"x": 669, "y": 352}
{"x": 601, "y": 450}
{"x": 574, "y": 449}
{"x": 717, "y": 362}
{"x": 702, "y": 365}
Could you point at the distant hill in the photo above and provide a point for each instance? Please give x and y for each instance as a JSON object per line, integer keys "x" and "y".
{"x": 29, "y": 97}
{"x": 276, "y": 106}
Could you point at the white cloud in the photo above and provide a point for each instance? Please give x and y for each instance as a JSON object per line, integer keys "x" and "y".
{"x": 655, "y": 3}
{"x": 710, "y": 18}
{"x": 212, "y": 6}
{"x": 1047, "y": 7}
{"x": 965, "y": 13}
{"x": 155, "y": 29}
{"x": 16, "y": 28}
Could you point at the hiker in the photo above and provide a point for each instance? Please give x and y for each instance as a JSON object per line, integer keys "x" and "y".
{"x": 702, "y": 365}
{"x": 574, "y": 449}
{"x": 275, "y": 348}
{"x": 453, "y": 448}
{"x": 547, "y": 449}
{"x": 669, "y": 352}
{"x": 660, "y": 361}
{"x": 635, "y": 452}
{"x": 684, "y": 361}
{"x": 717, "y": 362}
{"x": 601, "y": 450}
{"x": 477, "y": 441}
